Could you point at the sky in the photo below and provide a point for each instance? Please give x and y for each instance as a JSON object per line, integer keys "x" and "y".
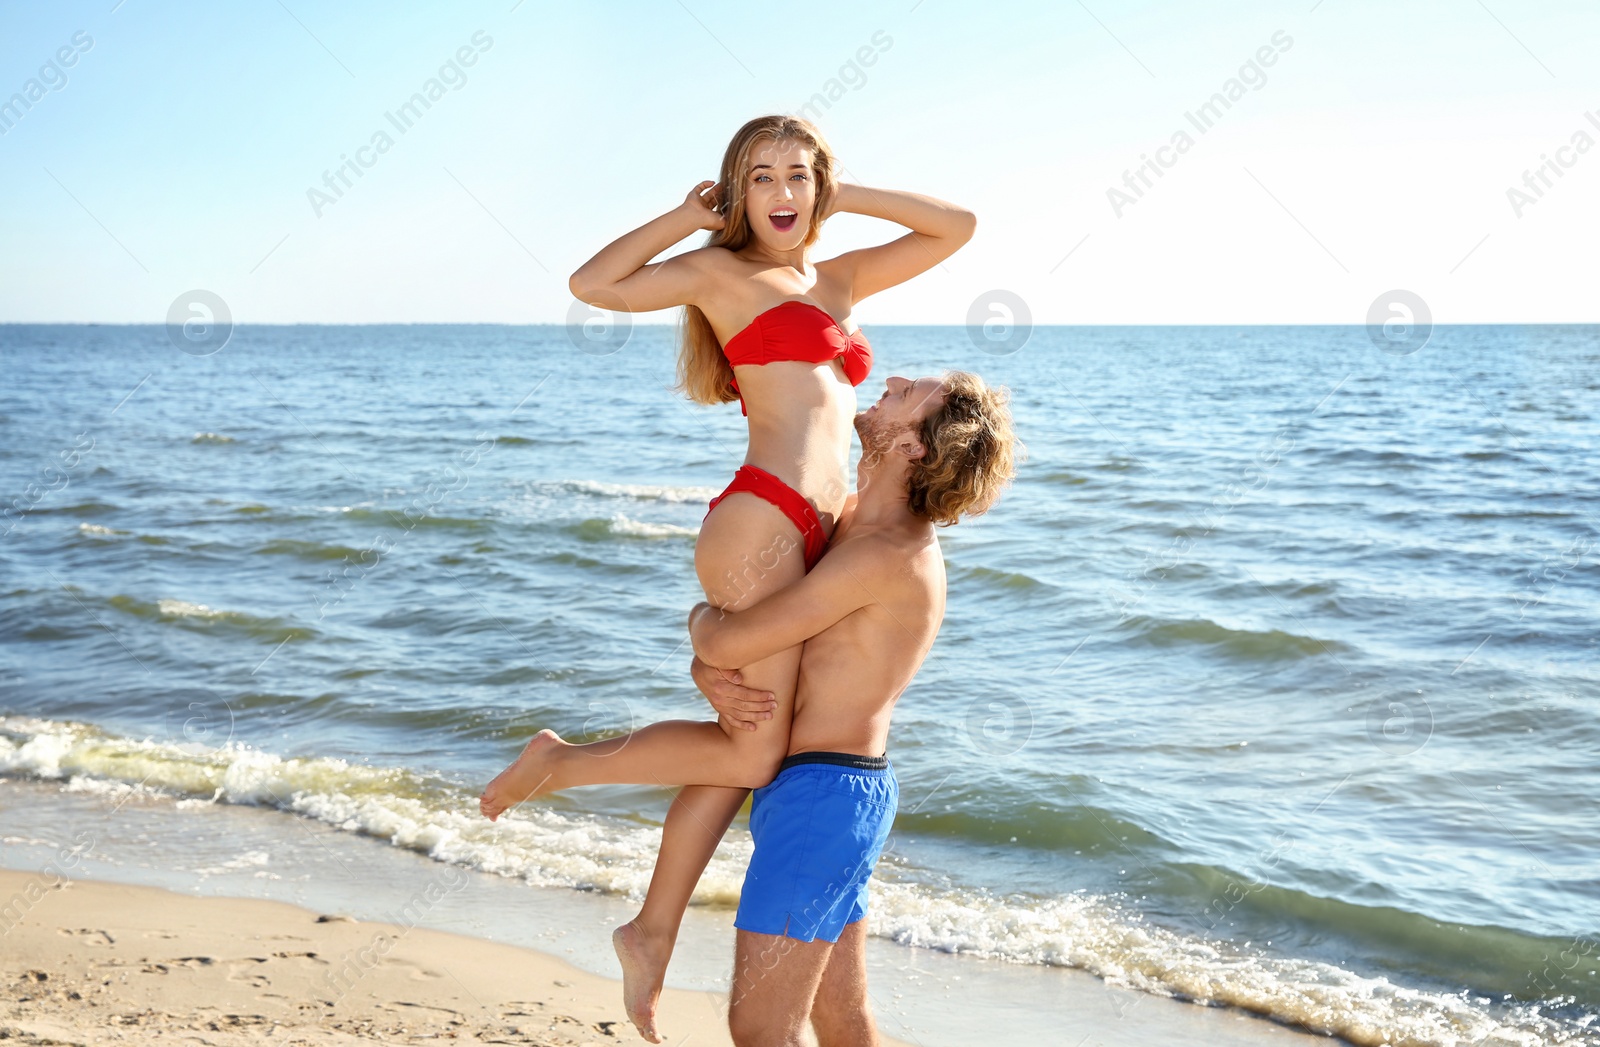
{"x": 176, "y": 146}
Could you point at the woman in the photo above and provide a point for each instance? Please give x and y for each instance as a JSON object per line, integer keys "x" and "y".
{"x": 759, "y": 326}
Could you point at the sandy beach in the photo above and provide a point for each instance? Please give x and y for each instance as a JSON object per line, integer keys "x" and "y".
{"x": 89, "y": 962}
{"x": 153, "y": 935}
{"x": 100, "y": 963}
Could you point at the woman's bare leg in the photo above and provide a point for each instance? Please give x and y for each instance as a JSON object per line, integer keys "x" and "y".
{"x": 695, "y": 824}
{"x": 700, "y": 815}
{"x": 669, "y": 753}
{"x": 689, "y": 752}
{"x": 718, "y": 763}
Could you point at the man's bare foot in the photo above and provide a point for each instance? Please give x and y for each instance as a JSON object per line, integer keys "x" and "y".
{"x": 644, "y": 968}
{"x": 527, "y": 776}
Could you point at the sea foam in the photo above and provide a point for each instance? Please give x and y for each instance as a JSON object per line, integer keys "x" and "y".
{"x": 549, "y": 847}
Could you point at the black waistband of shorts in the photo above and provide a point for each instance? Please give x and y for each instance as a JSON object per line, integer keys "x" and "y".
{"x": 860, "y": 763}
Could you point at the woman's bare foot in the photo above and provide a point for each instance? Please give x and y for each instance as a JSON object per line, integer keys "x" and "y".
{"x": 644, "y": 968}
{"x": 527, "y": 776}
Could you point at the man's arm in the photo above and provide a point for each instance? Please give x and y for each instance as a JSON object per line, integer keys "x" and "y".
{"x": 840, "y": 584}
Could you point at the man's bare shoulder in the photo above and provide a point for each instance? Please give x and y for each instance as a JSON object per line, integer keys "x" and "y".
{"x": 893, "y": 555}
{"x": 923, "y": 558}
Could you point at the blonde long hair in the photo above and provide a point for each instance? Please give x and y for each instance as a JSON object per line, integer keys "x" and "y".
{"x": 704, "y": 374}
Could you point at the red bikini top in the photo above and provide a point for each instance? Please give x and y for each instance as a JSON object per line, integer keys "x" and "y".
{"x": 808, "y": 334}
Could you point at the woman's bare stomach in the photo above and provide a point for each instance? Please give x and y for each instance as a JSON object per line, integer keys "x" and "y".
{"x": 801, "y": 422}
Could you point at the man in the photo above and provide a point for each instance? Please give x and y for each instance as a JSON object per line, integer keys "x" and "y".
{"x": 933, "y": 450}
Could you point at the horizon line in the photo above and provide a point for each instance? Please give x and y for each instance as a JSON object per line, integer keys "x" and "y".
{"x": 673, "y": 324}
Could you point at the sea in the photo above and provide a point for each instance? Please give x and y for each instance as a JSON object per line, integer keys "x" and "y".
{"x": 1272, "y": 684}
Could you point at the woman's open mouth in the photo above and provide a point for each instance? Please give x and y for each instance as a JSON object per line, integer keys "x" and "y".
{"x": 783, "y": 220}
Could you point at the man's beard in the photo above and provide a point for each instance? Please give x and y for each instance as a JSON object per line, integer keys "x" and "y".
{"x": 877, "y": 439}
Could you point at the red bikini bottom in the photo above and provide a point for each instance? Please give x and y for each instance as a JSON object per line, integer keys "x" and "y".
{"x": 763, "y": 484}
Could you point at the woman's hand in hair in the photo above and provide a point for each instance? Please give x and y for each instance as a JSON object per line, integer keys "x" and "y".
{"x": 705, "y": 206}
{"x": 841, "y": 200}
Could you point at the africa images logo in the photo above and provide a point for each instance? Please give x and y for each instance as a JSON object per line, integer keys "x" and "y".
{"x": 52, "y": 75}
{"x": 452, "y": 74}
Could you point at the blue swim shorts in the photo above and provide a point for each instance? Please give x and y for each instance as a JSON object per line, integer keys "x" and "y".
{"x": 818, "y": 828}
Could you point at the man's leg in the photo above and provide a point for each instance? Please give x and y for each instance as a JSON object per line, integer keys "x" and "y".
{"x": 840, "y": 1014}
{"x": 774, "y": 984}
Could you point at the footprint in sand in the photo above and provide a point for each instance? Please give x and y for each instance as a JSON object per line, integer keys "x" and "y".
{"x": 89, "y": 935}
{"x": 515, "y": 1009}
{"x": 422, "y": 1011}
{"x": 418, "y": 972}
{"x": 193, "y": 961}
{"x": 248, "y": 971}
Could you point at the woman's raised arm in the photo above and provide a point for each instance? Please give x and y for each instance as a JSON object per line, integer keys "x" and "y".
{"x": 619, "y": 278}
{"x": 938, "y": 230}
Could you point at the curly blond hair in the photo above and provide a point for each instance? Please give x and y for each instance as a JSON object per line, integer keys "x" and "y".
{"x": 971, "y": 451}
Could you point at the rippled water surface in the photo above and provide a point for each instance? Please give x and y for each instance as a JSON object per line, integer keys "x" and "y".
{"x": 1272, "y": 681}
